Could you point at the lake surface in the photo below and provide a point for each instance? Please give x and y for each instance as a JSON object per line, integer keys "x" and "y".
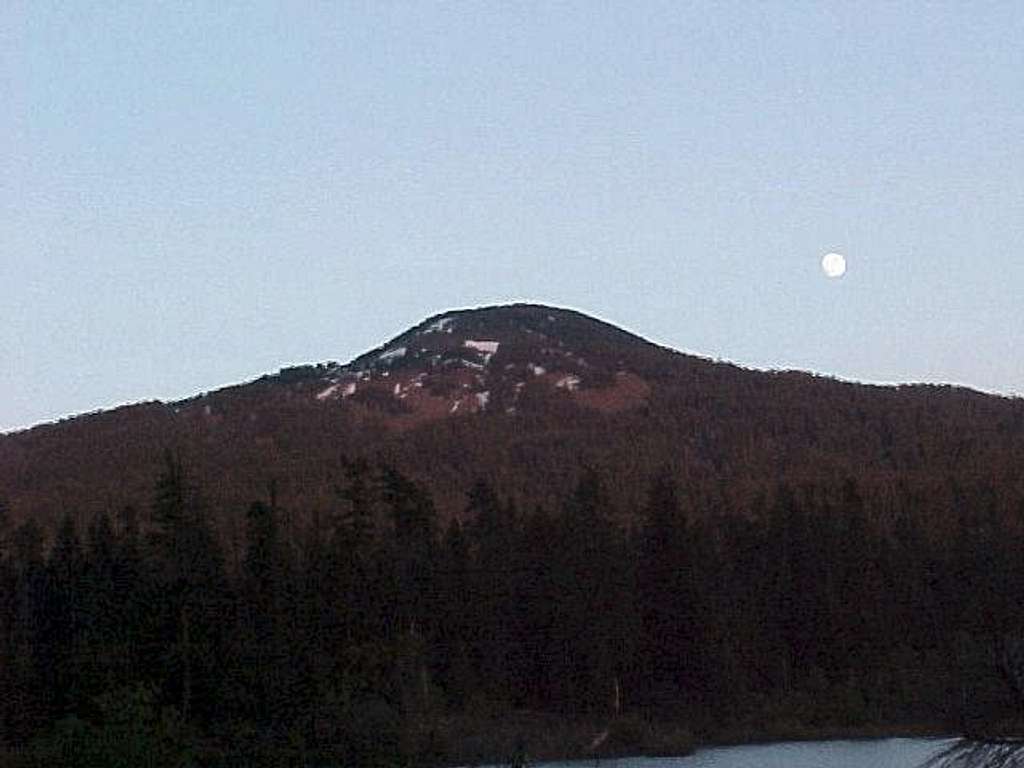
{"x": 882, "y": 753}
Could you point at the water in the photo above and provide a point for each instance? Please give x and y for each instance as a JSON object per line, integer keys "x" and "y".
{"x": 883, "y": 753}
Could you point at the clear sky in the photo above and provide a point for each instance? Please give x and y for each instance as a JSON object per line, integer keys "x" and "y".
{"x": 193, "y": 194}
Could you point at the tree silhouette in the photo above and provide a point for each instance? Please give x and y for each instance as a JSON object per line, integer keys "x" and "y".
{"x": 192, "y": 588}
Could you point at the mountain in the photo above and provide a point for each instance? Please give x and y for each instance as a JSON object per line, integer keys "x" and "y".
{"x": 525, "y": 396}
{"x": 496, "y": 360}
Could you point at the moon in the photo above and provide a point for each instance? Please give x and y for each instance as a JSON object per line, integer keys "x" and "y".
{"x": 833, "y": 264}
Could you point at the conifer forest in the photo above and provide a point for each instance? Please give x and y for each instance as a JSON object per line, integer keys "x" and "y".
{"x": 369, "y": 633}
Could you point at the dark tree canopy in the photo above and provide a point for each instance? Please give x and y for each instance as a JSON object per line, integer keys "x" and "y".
{"x": 364, "y": 630}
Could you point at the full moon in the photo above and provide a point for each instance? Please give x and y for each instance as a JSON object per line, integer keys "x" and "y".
{"x": 833, "y": 264}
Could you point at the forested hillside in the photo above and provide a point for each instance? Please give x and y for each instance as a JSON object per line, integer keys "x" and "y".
{"x": 513, "y": 521}
{"x": 373, "y": 632}
{"x": 524, "y": 396}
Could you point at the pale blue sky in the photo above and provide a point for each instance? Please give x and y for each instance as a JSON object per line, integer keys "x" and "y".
{"x": 193, "y": 194}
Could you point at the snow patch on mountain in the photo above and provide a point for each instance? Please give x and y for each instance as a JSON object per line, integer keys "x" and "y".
{"x": 443, "y": 325}
{"x": 391, "y": 354}
{"x": 327, "y": 392}
{"x": 569, "y": 382}
{"x": 485, "y": 348}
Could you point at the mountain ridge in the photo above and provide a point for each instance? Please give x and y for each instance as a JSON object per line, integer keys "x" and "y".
{"x": 507, "y": 394}
{"x": 302, "y": 370}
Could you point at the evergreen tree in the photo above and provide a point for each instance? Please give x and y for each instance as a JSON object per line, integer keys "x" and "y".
{"x": 64, "y": 617}
{"x": 593, "y": 578}
{"x": 101, "y": 660}
{"x": 666, "y": 594}
{"x": 455, "y": 615}
{"x": 29, "y": 706}
{"x": 194, "y": 591}
{"x": 490, "y": 537}
{"x": 265, "y": 593}
{"x": 414, "y": 526}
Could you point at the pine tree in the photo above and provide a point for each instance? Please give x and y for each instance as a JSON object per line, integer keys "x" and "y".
{"x": 593, "y": 578}
{"x": 29, "y": 705}
{"x": 266, "y": 579}
{"x": 193, "y": 585}
{"x": 414, "y": 526}
{"x": 664, "y": 592}
{"x": 64, "y": 616}
{"x": 491, "y": 533}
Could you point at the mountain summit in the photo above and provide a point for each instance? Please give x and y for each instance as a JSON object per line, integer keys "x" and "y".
{"x": 495, "y": 359}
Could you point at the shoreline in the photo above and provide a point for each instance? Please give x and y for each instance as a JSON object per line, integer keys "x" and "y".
{"x": 549, "y": 738}
{"x": 531, "y": 738}
{"x": 854, "y": 733}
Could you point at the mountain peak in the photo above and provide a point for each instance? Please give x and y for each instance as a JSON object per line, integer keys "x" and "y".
{"x": 497, "y": 359}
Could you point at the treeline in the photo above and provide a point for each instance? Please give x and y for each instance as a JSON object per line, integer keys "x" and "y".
{"x": 361, "y": 635}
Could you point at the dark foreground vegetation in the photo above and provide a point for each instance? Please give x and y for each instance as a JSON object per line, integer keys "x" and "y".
{"x": 371, "y": 637}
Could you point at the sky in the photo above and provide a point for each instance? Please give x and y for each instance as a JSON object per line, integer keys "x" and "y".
{"x": 195, "y": 194}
